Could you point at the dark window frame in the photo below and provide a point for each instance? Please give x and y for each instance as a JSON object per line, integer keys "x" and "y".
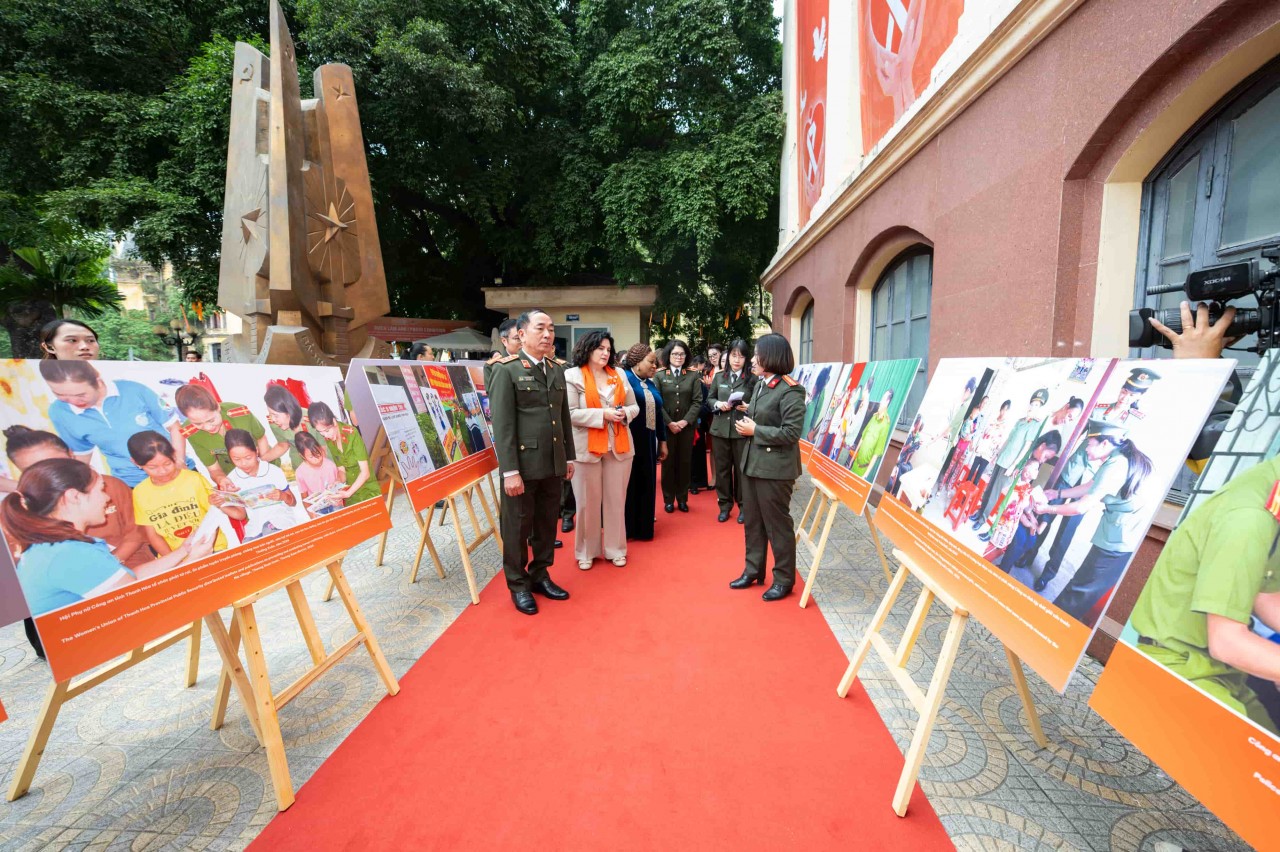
{"x": 912, "y": 312}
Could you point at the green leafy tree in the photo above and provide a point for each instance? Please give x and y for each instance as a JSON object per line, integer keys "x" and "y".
{"x": 540, "y": 141}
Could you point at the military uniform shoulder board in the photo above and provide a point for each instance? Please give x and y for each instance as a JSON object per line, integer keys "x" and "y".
{"x": 560, "y": 362}
{"x": 239, "y": 411}
{"x": 495, "y": 358}
{"x": 346, "y": 429}
{"x": 790, "y": 381}
{"x": 189, "y": 430}
{"x": 508, "y": 359}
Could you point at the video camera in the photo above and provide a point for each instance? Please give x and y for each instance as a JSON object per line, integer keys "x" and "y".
{"x": 1218, "y": 285}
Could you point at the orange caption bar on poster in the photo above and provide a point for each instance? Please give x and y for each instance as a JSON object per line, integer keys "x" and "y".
{"x": 853, "y": 490}
{"x": 80, "y": 637}
{"x": 806, "y": 450}
{"x": 1046, "y": 638}
{"x": 4, "y": 717}
{"x": 1230, "y": 765}
{"x": 439, "y": 484}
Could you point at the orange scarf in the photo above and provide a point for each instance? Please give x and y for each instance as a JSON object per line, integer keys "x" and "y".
{"x": 598, "y": 439}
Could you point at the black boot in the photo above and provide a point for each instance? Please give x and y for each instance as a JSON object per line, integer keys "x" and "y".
{"x": 745, "y": 581}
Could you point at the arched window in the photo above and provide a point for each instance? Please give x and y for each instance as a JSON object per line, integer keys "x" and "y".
{"x": 900, "y": 317}
{"x": 1214, "y": 199}
{"x": 806, "y": 336}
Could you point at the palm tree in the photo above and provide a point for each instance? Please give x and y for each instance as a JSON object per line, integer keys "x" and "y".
{"x": 37, "y": 286}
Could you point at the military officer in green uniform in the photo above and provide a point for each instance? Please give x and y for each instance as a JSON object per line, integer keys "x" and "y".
{"x": 1127, "y": 403}
{"x": 1220, "y": 567}
{"x": 1011, "y": 456}
{"x": 510, "y": 338}
{"x": 533, "y": 439}
{"x": 727, "y": 446}
{"x": 206, "y": 425}
{"x": 681, "y": 391}
{"x": 771, "y": 465}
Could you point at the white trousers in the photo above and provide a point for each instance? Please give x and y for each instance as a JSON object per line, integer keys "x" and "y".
{"x": 600, "y": 489}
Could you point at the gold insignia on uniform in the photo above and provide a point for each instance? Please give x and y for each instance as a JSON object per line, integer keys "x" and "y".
{"x": 238, "y": 411}
{"x": 790, "y": 381}
{"x": 526, "y": 364}
{"x": 508, "y": 359}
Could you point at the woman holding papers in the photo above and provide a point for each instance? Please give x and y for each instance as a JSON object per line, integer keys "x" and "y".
{"x": 728, "y": 398}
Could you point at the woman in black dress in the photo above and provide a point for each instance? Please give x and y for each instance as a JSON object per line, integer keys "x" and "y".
{"x": 648, "y": 437}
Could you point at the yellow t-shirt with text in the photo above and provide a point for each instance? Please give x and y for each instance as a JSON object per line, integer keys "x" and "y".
{"x": 174, "y": 509}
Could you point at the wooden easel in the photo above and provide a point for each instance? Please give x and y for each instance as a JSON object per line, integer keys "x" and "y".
{"x": 63, "y": 691}
{"x": 896, "y": 659}
{"x": 823, "y": 500}
{"x": 465, "y": 548}
{"x": 261, "y": 704}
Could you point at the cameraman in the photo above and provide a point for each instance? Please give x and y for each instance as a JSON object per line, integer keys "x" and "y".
{"x": 1199, "y": 338}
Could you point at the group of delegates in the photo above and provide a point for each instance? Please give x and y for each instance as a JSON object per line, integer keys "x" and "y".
{"x": 630, "y": 413}
{"x": 76, "y": 533}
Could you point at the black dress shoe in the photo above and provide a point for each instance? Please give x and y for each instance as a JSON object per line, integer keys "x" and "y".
{"x": 559, "y": 544}
{"x": 724, "y": 516}
{"x": 524, "y": 602}
{"x": 684, "y": 506}
{"x": 566, "y": 525}
{"x": 694, "y": 489}
{"x": 741, "y": 519}
{"x": 670, "y": 508}
{"x": 745, "y": 581}
{"x": 776, "y": 592}
{"x": 548, "y": 589}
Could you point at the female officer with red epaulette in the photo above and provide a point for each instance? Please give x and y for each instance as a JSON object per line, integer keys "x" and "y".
{"x": 771, "y": 467}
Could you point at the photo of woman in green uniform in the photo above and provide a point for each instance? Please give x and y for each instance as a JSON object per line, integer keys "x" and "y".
{"x": 1218, "y": 571}
{"x": 348, "y": 452}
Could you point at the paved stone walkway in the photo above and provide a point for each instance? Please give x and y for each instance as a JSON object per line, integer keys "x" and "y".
{"x": 134, "y": 765}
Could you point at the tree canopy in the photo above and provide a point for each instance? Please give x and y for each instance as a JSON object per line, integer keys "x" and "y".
{"x": 538, "y": 141}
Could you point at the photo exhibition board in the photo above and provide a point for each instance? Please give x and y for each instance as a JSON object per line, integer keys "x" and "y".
{"x": 850, "y": 437}
{"x": 818, "y": 381}
{"x": 1202, "y": 707}
{"x": 1030, "y": 483}
{"x": 435, "y": 416}
{"x": 141, "y": 497}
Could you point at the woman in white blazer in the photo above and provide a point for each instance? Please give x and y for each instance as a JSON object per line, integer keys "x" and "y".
{"x": 601, "y": 404}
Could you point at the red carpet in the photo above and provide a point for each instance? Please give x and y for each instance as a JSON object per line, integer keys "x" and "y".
{"x": 657, "y": 709}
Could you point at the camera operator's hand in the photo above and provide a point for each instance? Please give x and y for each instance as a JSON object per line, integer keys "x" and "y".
{"x": 1199, "y": 338}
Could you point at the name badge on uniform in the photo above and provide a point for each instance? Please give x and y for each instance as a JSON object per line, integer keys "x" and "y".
{"x": 524, "y": 378}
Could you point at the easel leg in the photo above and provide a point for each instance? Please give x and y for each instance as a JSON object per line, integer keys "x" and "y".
{"x": 358, "y": 619}
{"x": 929, "y": 713}
{"x": 875, "y": 539}
{"x": 832, "y": 507}
{"x": 425, "y": 542}
{"x": 30, "y": 762}
{"x": 307, "y": 621}
{"x": 466, "y": 554}
{"x": 877, "y": 621}
{"x": 804, "y": 519}
{"x": 228, "y": 645}
{"x": 1024, "y": 692}
{"x": 193, "y": 654}
{"x": 382, "y": 539}
{"x": 269, "y": 722}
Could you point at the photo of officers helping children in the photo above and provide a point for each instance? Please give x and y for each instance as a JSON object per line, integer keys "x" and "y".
{"x": 1210, "y": 611}
{"x": 1053, "y": 469}
{"x": 120, "y": 471}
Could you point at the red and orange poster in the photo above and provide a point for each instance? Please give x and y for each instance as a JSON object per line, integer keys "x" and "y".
{"x": 1193, "y": 680}
{"x": 901, "y": 43}
{"x": 145, "y": 496}
{"x": 811, "y": 101}
{"x": 434, "y": 419}
{"x": 1029, "y": 483}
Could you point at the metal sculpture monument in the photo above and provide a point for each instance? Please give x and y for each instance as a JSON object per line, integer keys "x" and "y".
{"x": 301, "y": 263}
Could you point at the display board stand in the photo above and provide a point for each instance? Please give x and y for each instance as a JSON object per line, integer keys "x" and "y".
{"x": 824, "y": 503}
{"x": 468, "y": 493}
{"x": 63, "y": 691}
{"x": 897, "y": 659}
{"x": 263, "y": 705}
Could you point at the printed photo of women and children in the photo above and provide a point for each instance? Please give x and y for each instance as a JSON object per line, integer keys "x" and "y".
{"x": 1053, "y": 469}
{"x": 121, "y": 471}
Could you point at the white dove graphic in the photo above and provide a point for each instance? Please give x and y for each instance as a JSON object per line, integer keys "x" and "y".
{"x": 820, "y": 41}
